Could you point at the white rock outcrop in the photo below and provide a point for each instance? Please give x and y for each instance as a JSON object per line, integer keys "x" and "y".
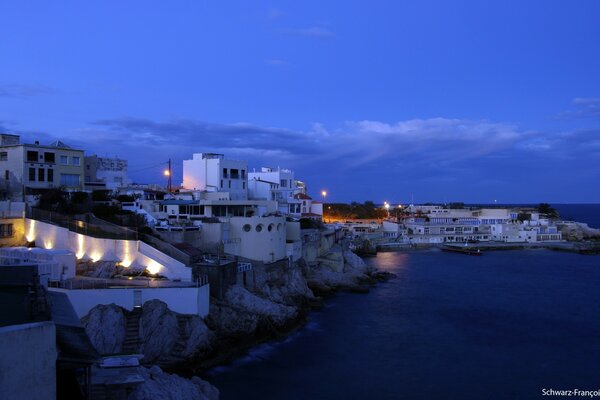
{"x": 243, "y": 312}
{"x": 105, "y": 326}
{"x": 158, "y": 331}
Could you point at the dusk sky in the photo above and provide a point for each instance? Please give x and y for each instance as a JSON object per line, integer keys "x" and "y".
{"x": 376, "y": 100}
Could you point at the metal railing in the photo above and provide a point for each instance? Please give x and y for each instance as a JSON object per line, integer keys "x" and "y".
{"x": 86, "y": 224}
{"x": 81, "y": 284}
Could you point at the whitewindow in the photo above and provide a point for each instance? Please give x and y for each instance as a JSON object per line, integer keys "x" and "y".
{"x": 64, "y": 160}
{"x": 75, "y": 161}
{"x": 70, "y": 180}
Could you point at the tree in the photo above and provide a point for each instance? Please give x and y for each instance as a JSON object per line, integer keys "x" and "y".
{"x": 523, "y": 217}
{"x": 547, "y": 210}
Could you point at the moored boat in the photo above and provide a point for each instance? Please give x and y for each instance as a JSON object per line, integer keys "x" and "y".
{"x": 464, "y": 250}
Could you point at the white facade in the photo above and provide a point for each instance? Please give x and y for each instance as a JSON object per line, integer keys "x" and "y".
{"x": 110, "y": 171}
{"x": 33, "y": 167}
{"x": 257, "y": 238}
{"x": 214, "y": 173}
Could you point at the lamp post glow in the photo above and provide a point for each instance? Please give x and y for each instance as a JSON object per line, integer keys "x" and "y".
{"x": 324, "y": 194}
{"x": 167, "y": 173}
{"x": 386, "y": 205}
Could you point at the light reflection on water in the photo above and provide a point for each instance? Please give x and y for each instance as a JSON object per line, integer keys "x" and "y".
{"x": 503, "y": 325}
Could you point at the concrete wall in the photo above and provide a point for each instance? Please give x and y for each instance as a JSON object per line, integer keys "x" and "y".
{"x": 292, "y": 231}
{"x": 260, "y": 238}
{"x": 294, "y": 250}
{"x": 28, "y": 362}
{"x": 128, "y": 252}
{"x": 311, "y": 245}
{"x": 192, "y": 300}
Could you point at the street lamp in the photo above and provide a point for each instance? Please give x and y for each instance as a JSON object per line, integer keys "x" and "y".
{"x": 167, "y": 173}
{"x": 324, "y": 194}
{"x": 386, "y": 205}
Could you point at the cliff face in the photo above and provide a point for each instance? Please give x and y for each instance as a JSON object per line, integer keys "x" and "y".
{"x": 277, "y": 299}
{"x": 578, "y": 231}
{"x": 243, "y": 313}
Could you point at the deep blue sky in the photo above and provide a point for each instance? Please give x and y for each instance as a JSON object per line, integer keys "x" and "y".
{"x": 449, "y": 101}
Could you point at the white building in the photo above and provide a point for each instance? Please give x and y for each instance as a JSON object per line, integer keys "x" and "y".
{"x": 33, "y": 168}
{"x": 112, "y": 172}
{"x": 214, "y": 173}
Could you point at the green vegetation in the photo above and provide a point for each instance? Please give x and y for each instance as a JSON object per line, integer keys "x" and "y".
{"x": 548, "y": 211}
{"x": 65, "y": 203}
{"x": 307, "y": 223}
{"x": 355, "y": 210}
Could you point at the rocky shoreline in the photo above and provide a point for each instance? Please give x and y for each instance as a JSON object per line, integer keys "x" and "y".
{"x": 276, "y": 306}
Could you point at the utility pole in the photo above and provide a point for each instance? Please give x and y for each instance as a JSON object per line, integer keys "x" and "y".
{"x": 169, "y": 174}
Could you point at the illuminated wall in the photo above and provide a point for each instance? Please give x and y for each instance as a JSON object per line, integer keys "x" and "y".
{"x": 130, "y": 253}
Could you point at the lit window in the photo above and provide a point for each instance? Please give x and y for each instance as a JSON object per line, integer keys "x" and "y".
{"x": 6, "y": 230}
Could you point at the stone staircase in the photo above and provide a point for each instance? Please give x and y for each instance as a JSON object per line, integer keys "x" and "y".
{"x": 183, "y": 322}
{"x": 132, "y": 332}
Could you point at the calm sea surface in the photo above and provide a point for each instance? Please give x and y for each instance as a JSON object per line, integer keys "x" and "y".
{"x": 502, "y": 326}
{"x": 589, "y": 213}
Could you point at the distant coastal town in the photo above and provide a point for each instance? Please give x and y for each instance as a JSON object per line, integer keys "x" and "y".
{"x": 116, "y": 286}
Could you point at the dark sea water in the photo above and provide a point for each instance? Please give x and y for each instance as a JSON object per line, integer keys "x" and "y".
{"x": 588, "y": 213}
{"x": 502, "y": 326}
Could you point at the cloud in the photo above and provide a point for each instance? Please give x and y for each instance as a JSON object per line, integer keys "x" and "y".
{"x": 436, "y": 141}
{"x": 313, "y": 32}
{"x": 585, "y": 107}
{"x": 457, "y": 157}
{"x": 23, "y": 90}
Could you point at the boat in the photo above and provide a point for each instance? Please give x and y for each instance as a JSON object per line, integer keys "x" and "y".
{"x": 464, "y": 250}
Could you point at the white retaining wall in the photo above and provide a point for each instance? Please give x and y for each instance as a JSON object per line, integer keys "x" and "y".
{"x": 192, "y": 300}
{"x": 128, "y": 252}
